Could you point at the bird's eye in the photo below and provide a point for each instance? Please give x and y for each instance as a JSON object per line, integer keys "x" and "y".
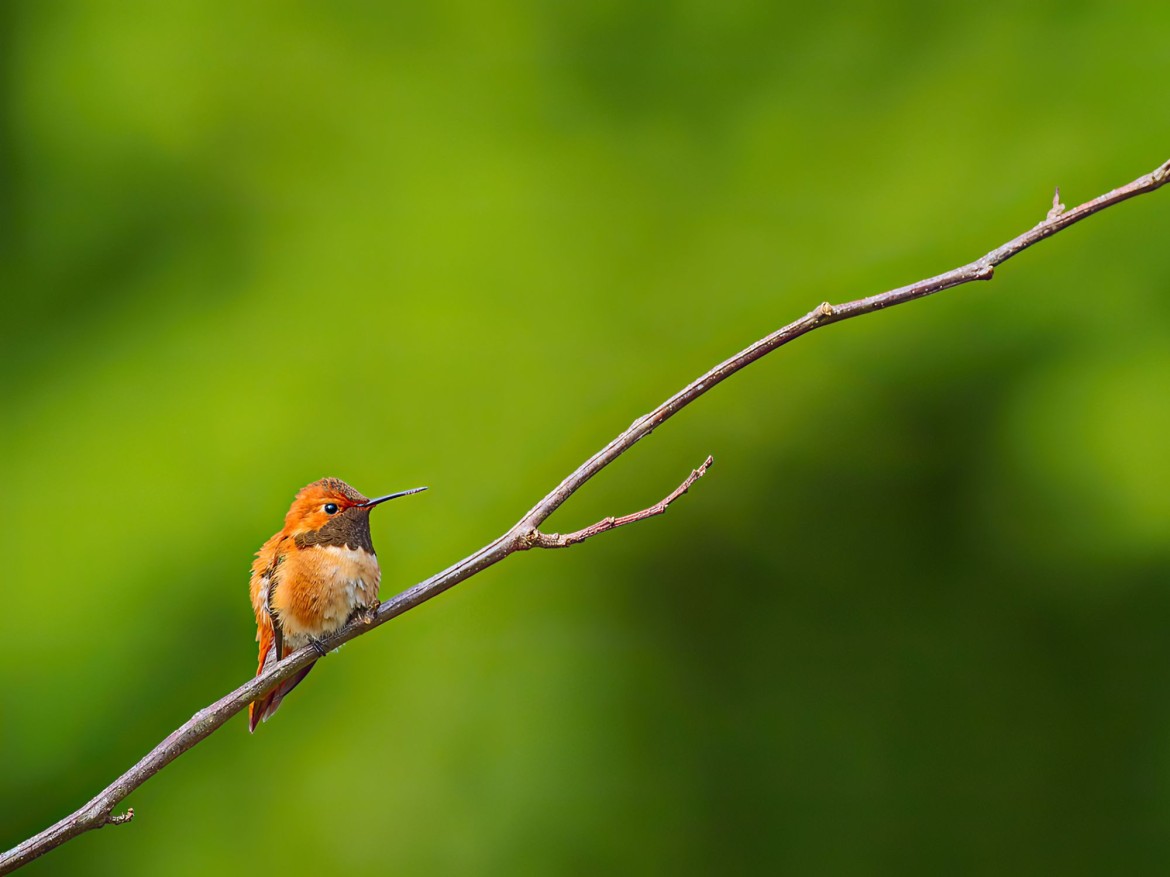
{"x": 330, "y": 508}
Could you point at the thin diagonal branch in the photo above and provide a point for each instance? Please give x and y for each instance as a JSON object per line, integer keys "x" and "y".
{"x": 98, "y": 812}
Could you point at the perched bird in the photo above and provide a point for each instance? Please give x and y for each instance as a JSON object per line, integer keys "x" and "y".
{"x": 312, "y": 577}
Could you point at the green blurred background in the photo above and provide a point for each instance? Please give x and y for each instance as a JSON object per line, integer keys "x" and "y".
{"x": 914, "y": 621}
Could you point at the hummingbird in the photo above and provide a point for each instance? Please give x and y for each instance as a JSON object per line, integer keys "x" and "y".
{"x": 312, "y": 578}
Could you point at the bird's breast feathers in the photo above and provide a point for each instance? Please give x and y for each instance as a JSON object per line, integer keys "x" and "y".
{"x": 319, "y": 588}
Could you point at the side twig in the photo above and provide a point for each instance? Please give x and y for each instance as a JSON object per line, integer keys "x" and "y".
{"x": 537, "y": 539}
{"x": 525, "y": 535}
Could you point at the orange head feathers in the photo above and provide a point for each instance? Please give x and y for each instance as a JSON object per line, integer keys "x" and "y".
{"x": 312, "y": 577}
{"x": 325, "y": 502}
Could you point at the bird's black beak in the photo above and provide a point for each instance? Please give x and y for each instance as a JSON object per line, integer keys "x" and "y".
{"x": 370, "y": 503}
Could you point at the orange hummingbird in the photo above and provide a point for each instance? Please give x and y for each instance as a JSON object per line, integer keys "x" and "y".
{"x": 312, "y": 577}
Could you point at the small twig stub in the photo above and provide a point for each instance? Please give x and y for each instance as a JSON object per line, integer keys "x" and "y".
{"x": 1057, "y": 207}
{"x": 120, "y": 818}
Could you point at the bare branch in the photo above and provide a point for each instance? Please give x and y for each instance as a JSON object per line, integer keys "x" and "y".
{"x": 524, "y": 534}
{"x": 537, "y": 539}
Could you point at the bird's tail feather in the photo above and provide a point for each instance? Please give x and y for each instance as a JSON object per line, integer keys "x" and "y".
{"x": 261, "y": 709}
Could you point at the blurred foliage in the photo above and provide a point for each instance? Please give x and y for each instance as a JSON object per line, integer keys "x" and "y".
{"x": 913, "y": 622}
